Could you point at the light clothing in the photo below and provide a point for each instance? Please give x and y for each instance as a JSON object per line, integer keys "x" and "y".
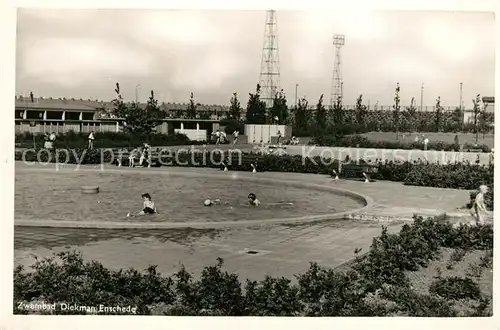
{"x": 479, "y": 209}
{"x": 149, "y": 204}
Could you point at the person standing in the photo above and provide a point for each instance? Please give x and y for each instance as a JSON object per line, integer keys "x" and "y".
{"x": 52, "y": 139}
{"x": 91, "y": 140}
{"x": 426, "y": 142}
{"x": 479, "y": 210}
{"x": 217, "y": 137}
{"x": 46, "y": 138}
{"x": 235, "y": 135}
{"x": 279, "y": 137}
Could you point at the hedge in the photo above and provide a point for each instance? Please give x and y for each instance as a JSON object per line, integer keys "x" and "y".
{"x": 457, "y": 176}
{"x": 358, "y": 141}
{"x": 72, "y": 140}
{"x": 376, "y": 285}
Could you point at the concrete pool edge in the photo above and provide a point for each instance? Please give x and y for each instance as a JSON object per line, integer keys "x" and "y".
{"x": 368, "y": 201}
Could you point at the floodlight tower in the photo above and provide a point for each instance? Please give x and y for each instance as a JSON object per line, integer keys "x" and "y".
{"x": 270, "y": 64}
{"x": 337, "y": 84}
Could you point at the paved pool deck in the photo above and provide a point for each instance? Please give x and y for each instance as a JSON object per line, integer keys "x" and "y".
{"x": 280, "y": 249}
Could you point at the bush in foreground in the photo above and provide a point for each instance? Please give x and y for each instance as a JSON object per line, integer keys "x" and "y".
{"x": 376, "y": 285}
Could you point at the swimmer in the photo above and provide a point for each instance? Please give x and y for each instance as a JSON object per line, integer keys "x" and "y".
{"x": 209, "y": 202}
{"x": 252, "y": 199}
{"x": 148, "y": 207}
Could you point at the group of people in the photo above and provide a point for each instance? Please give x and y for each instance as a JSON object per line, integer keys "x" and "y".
{"x": 149, "y": 207}
{"x": 49, "y": 140}
{"x": 144, "y": 154}
{"x": 423, "y": 139}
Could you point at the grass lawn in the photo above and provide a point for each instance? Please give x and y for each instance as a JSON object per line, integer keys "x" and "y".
{"x": 456, "y": 263}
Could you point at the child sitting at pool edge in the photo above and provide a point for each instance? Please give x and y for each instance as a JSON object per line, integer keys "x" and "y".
{"x": 148, "y": 206}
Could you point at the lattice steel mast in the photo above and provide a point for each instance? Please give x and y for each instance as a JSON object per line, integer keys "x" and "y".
{"x": 270, "y": 64}
{"x": 337, "y": 84}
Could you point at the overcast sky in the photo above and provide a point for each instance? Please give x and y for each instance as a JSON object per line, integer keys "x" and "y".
{"x": 82, "y": 53}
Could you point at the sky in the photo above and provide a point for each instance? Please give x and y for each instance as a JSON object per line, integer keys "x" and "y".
{"x": 82, "y": 53}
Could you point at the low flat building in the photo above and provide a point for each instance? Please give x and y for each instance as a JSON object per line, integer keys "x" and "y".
{"x": 47, "y": 115}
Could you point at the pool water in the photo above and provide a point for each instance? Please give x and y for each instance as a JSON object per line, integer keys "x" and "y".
{"x": 58, "y": 196}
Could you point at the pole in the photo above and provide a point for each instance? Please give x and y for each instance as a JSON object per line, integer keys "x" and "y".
{"x": 34, "y": 142}
{"x": 422, "y": 97}
{"x": 342, "y": 90}
{"x": 460, "y": 107}
{"x": 137, "y": 93}
{"x": 296, "y": 88}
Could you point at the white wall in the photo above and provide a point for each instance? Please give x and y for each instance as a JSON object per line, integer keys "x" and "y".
{"x": 257, "y": 133}
{"x": 193, "y": 134}
{"x": 388, "y": 154}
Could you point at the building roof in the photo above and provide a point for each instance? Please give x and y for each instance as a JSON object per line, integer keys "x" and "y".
{"x": 95, "y": 105}
{"x": 488, "y": 99}
{"x": 59, "y": 104}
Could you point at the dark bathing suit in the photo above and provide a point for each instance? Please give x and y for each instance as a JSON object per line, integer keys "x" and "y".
{"x": 148, "y": 210}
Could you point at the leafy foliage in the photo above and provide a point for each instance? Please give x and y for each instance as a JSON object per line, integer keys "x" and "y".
{"x": 320, "y": 118}
{"x": 439, "y": 114}
{"x": 72, "y": 140}
{"x": 235, "y": 108}
{"x": 456, "y": 288}
{"x": 376, "y": 285}
{"x": 338, "y": 112}
{"x": 191, "y": 110}
{"x": 138, "y": 120}
{"x": 476, "y": 111}
{"x": 411, "y": 115}
{"x": 397, "y": 108}
{"x": 301, "y": 118}
{"x": 359, "y": 141}
{"x": 361, "y": 110}
{"x": 279, "y": 109}
{"x": 256, "y": 109}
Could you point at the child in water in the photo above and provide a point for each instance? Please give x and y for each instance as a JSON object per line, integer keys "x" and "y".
{"x": 148, "y": 206}
{"x": 252, "y": 199}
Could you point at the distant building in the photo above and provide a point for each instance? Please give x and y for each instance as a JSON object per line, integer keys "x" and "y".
{"x": 61, "y": 115}
{"x": 487, "y": 106}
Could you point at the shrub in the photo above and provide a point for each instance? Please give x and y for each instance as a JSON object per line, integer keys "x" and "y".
{"x": 376, "y": 285}
{"x": 457, "y": 176}
{"x": 72, "y": 140}
{"x": 456, "y": 288}
{"x": 339, "y": 139}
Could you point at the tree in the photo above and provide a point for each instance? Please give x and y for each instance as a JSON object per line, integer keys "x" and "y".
{"x": 439, "y": 114}
{"x": 411, "y": 114}
{"x": 256, "y": 109}
{"x": 338, "y": 111}
{"x": 361, "y": 110}
{"x": 136, "y": 119}
{"x": 396, "y": 110}
{"x": 191, "y": 110}
{"x": 279, "y": 109}
{"x": 476, "y": 110}
{"x": 320, "y": 117}
{"x": 457, "y": 118}
{"x": 235, "y": 108}
{"x": 301, "y": 118}
{"x": 483, "y": 122}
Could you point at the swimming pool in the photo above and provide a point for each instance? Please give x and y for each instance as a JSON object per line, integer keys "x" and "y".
{"x": 57, "y": 196}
